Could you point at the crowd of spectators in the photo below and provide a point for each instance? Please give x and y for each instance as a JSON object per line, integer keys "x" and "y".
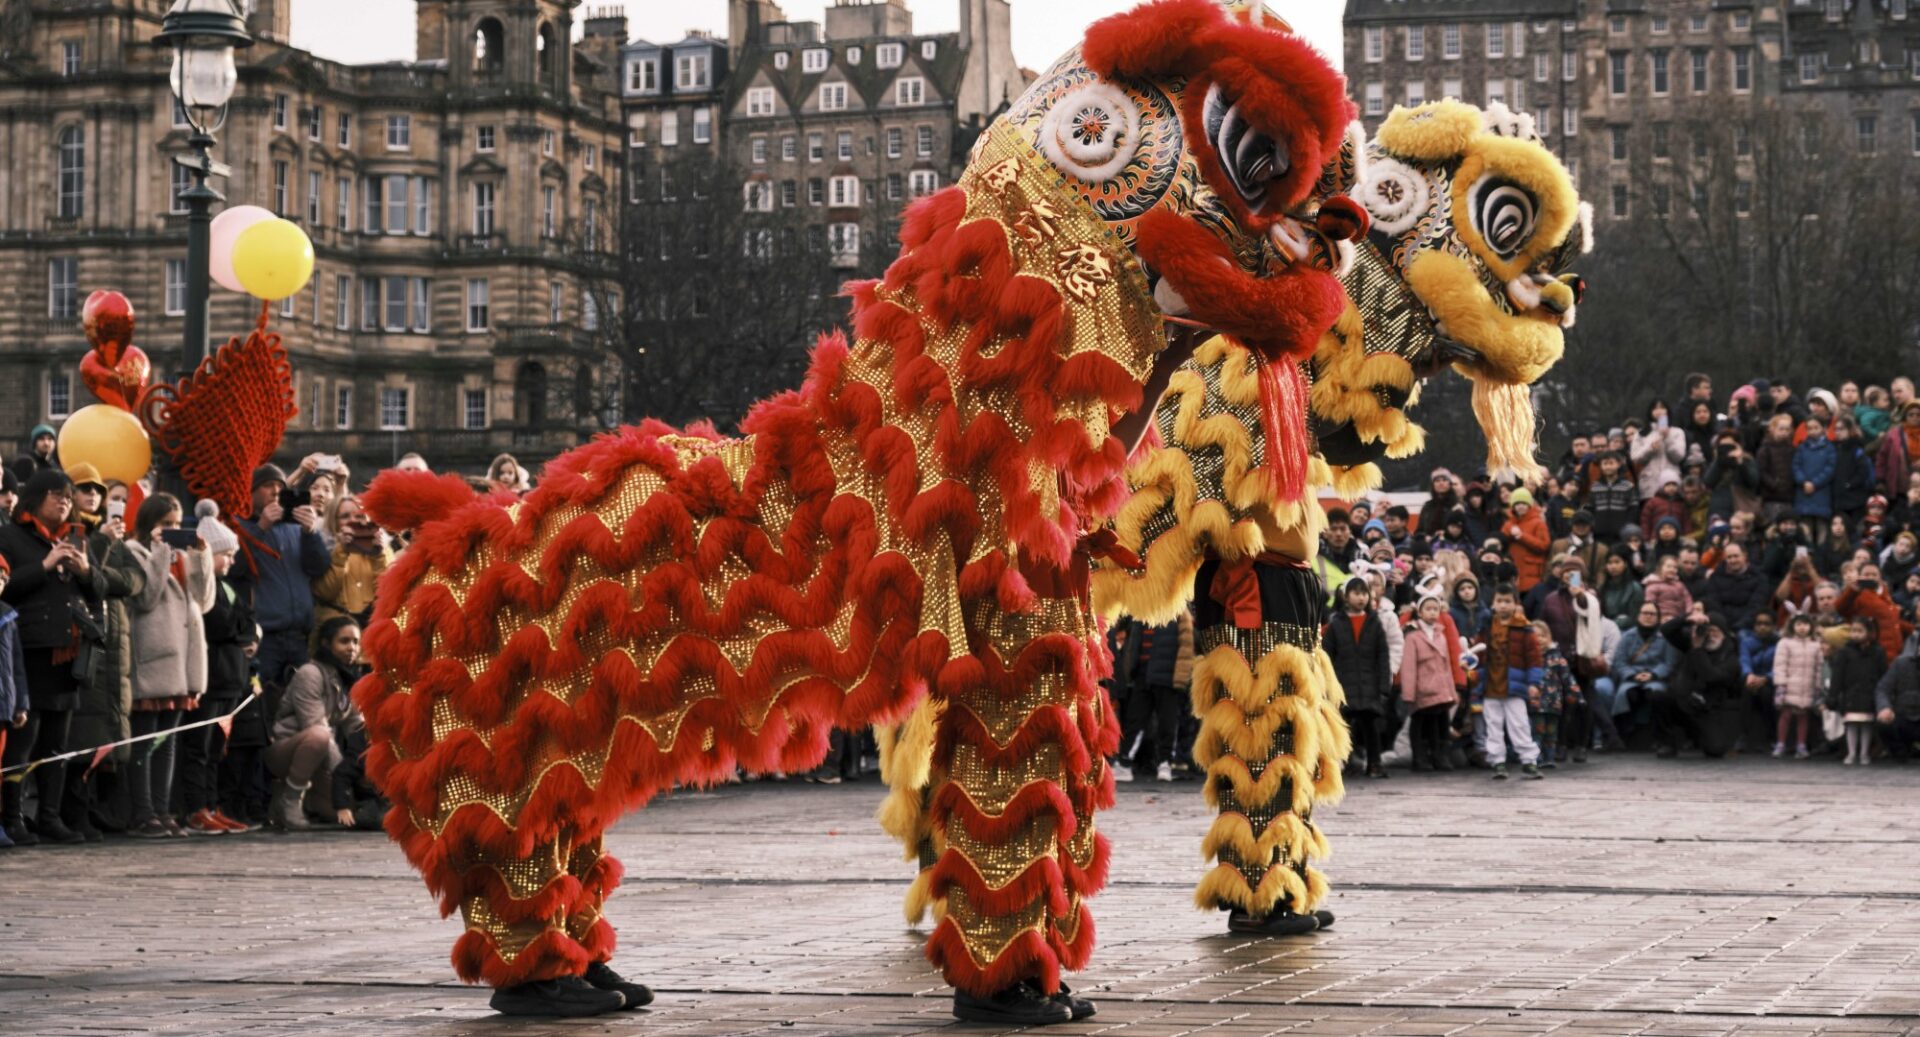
{"x": 1731, "y": 573}
{"x": 196, "y": 667}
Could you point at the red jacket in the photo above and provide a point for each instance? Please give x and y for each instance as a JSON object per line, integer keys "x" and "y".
{"x": 1657, "y": 508}
{"x": 1527, "y": 543}
{"x": 1893, "y": 630}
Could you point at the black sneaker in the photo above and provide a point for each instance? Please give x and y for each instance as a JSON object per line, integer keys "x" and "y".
{"x": 22, "y": 835}
{"x": 1500, "y": 772}
{"x": 1533, "y": 772}
{"x": 601, "y": 975}
{"x": 1324, "y": 917}
{"x": 1021, "y": 1005}
{"x": 568, "y": 996}
{"x": 1279, "y": 923}
{"x": 1079, "y": 1006}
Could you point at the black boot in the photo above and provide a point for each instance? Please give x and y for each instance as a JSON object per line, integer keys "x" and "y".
{"x": 1022, "y": 1004}
{"x": 1079, "y": 1006}
{"x": 601, "y": 975}
{"x": 1324, "y": 917}
{"x": 1280, "y": 923}
{"x": 53, "y": 830}
{"x": 568, "y": 996}
{"x": 10, "y": 816}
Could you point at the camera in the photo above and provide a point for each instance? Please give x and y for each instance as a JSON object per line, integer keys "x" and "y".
{"x": 291, "y": 498}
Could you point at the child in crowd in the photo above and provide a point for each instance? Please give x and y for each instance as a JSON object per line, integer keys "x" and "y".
{"x": 1797, "y": 662}
{"x": 1857, "y": 669}
{"x": 1510, "y": 674}
{"x": 1559, "y": 692}
{"x": 1356, "y": 644}
{"x": 1430, "y": 676}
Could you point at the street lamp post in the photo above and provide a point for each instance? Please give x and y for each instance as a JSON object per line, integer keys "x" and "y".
{"x": 203, "y": 35}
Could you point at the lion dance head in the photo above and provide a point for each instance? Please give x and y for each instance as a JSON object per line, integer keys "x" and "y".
{"x": 1473, "y": 226}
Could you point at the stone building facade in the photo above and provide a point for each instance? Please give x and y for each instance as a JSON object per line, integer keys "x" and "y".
{"x": 462, "y": 206}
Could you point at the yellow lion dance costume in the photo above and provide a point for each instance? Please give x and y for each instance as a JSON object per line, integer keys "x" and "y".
{"x": 919, "y": 520}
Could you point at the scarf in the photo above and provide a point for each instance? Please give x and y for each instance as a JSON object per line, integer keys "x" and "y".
{"x": 1587, "y": 640}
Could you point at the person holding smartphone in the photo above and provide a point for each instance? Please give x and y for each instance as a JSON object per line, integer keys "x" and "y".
{"x": 279, "y": 582}
{"x": 169, "y": 657}
{"x": 360, "y": 554}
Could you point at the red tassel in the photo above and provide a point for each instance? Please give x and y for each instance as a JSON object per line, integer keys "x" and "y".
{"x": 1283, "y": 403}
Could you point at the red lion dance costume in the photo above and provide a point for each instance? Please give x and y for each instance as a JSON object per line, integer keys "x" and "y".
{"x": 918, "y": 519}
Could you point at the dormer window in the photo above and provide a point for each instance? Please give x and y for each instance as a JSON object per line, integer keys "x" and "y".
{"x": 780, "y": 60}
{"x": 853, "y": 55}
{"x": 813, "y": 60}
{"x": 691, "y": 71}
{"x": 909, "y": 90}
{"x": 889, "y": 55}
{"x": 643, "y": 76}
{"x": 833, "y": 97}
{"x": 760, "y": 101}
{"x": 929, "y": 50}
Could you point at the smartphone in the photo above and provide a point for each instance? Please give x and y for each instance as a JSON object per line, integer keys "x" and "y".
{"x": 181, "y": 539}
{"x": 1661, "y": 422}
{"x": 330, "y": 463}
{"x": 1573, "y": 580}
{"x": 291, "y": 498}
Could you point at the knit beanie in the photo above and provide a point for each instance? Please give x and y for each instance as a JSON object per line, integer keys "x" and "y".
{"x": 213, "y": 532}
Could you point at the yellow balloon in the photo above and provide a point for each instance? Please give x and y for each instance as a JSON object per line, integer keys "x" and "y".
{"x": 273, "y": 259}
{"x": 109, "y": 439}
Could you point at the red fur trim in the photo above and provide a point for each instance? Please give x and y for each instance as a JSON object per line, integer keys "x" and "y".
{"x": 1073, "y": 954}
{"x": 1041, "y": 878}
{"x": 1282, "y": 317}
{"x": 1035, "y": 798}
{"x": 1152, "y": 39}
{"x": 551, "y": 955}
{"x": 1027, "y": 956}
{"x": 408, "y": 500}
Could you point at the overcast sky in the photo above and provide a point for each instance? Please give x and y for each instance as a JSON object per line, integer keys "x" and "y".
{"x": 382, "y": 30}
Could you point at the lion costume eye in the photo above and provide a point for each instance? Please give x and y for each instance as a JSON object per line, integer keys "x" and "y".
{"x": 1505, "y": 215}
{"x": 1252, "y": 158}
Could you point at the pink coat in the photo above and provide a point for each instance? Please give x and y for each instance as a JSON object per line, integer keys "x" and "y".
{"x": 1427, "y": 668}
{"x": 1796, "y": 671}
{"x": 1670, "y": 595}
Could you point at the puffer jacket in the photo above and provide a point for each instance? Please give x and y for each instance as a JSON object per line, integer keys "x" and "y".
{"x": 1527, "y": 544}
{"x": 1430, "y": 673}
{"x": 1796, "y": 671}
{"x": 1670, "y": 596}
{"x": 1657, "y": 454}
{"x": 169, "y": 645}
{"x": 1814, "y": 461}
{"x": 1857, "y": 670}
{"x": 1361, "y": 663}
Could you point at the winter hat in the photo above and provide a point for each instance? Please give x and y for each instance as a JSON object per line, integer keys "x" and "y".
{"x": 1373, "y": 524}
{"x": 1441, "y": 473}
{"x": 1716, "y": 618}
{"x": 9, "y": 482}
{"x": 1823, "y": 396}
{"x": 84, "y": 474}
{"x": 1456, "y": 517}
{"x": 1583, "y": 517}
{"x": 1520, "y": 496}
{"x": 1719, "y": 529}
{"x": 1667, "y": 520}
{"x": 1629, "y": 531}
{"x": 267, "y": 473}
{"x": 1622, "y": 552}
{"x": 213, "y": 532}
{"x": 1877, "y": 502}
{"x": 42, "y": 430}
{"x": 1760, "y": 385}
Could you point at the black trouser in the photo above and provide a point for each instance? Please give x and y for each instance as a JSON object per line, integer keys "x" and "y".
{"x": 1164, "y": 706}
{"x": 1430, "y": 735}
{"x": 200, "y": 751}
{"x": 1899, "y": 737}
{"x": 1576, "y": 728}
{"x": 1365, "y": 727}
{"x": 1714, "y": 727}
{"x": 44, "y": 735}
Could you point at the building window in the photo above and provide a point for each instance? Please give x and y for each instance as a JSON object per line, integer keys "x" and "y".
{"x": 1416, "y": 46}
{"x": 1743, "y": 140}
{"x": 1617, "y": 73}
{"x": 342, "y": 291}
{"x": 929, "y": 49}
{"x": 1450, "y": 41}
{"x": 1617, "y": 25}
{"x": 369, "y": 303}
{"x": 816, "y": 191}
{"x": 1697, "y": 70}
{"x": 1700, "y": 198}
{"x": 1660, "y": 82}
{"x": 280, "y": 111}
{"x": 1916, "y": 133}
{"x": 844, "y": 191}
{"x": 1866, "y": 133}
{"x": 176, "y": 287}
{"x": 690, "y": 71}
{"x": 483, "y": 138}
{"x": 1617, "y": 137}
{"x": 70, "y": 58}
{"x": 549, "y": 197}
{"x": 896, "y": 141}
{"x": 1697, "y": 23}
{"x": 313, "y": 199}
{"x": 1569, "y": 65}
{"x": 343, "y": 406}
{"x": 59, "y": 395}
{"x": 316, "y": 400}
{"x": 482, "y": 209}
{"x": 399, "y": 133}
{"x": 73, "y": 173}
{"x": 1809, "y": 68}
{"x": 422, "y": 305}
{"x": 843, "y": 145}
{"x": 1662, "y": 140}
{"x": 63, "y": 287}
{"x": 760, "y": 101}
{"x": 477, "y": 308}
{"x": 1496, "y": 40}
{"x": 473, "y": 413}
{"x": 179, "y": 114}
{"x": 316, "y": 118}
{"x": 843, "y": 240}
{"x": 178, "y": 180}
{"x": 1742, "y": 69}
{"x": 547, "y": 142}
{"x": 643, "y": 76}
{"x": 889, "y": 55}
{"x": 343, "y": 130}
{"x": 395, "y": 192}
{"x": 315, "y": 286}
{"x": 1619, "y": 201}
{"x": 555, "y": 298}
{"x": 590, "y": 224}
{"x": 923, "y": 182}
{"x": 343, "y": 203}
{"x": 1376, "y": 37}
{"x": 789, "y": 194}
{"x": 894, "y": 187}
{"x": 1376, "y": 99}
{"x": 1742, "y": 21}
{"x": 669, "y": 129}
{"x": 1662, "y": 200}
{"x": 280, "y": 188}
{"x": 1659, "y": 24}
{"x": 1543, "y": 122}
{"x": 780, "y": 60}
{"x": 909, "y": 90}
{"x": 1743, "y": 198}
{"x": 1542, "y": 67}
{"x": 813, "y": 59}
{"x": 1570, "y": 121}
{"x": 923, "y": 142}
{"x": 758, "y": 148}
{"x": 1416, "y": 93}
{"x": 816, "y": 147}
{"x": 788, "y": 151}
{"x": 833, "y": 97}
{"x": 395, "y": 313}
{"x": 393, "y": 407}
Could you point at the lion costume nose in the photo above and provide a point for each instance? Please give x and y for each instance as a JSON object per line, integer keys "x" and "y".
{"x": 1341, "y": 219}
{"x": 1557, "y": 297}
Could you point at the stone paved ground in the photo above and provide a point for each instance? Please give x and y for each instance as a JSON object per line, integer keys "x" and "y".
{"x": 1630, "y": 896}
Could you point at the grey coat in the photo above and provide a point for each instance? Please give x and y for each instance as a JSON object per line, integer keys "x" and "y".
{"x": 316, "y": 695}
{"x": 169, "y": 642}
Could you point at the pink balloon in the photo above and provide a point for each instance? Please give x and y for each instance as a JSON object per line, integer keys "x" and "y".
{"x": 226, "y": 230}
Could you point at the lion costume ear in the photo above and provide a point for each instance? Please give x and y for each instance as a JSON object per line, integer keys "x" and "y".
{"x": 1158, "y": 38}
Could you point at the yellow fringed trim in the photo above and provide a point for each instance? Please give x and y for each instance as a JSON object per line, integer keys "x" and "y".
{"x": 1430, "y": 131}
{"x": 1224, "y": 886}
{"x": 1253, "y": 792}
{"x": 906, "y": 762}
{"x": 1356, "y": 481}
{"x": 920, "y": 904}
{"x": 1224, "y": 669}
{"x": 1296, "y": 839}
{"x": 1251, "y": 736}
{"x": 1506, "y": 417}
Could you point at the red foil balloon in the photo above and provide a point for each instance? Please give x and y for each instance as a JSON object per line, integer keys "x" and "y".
{"x": 116, "y": 370}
